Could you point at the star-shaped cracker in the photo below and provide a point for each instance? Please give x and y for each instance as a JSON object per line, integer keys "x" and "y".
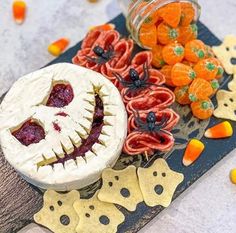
{"x": 226, "y": 52}
{"x": 58, "y": 213}
{"x": 158, "y": 183}
{"x": 121, "y": 187}
{"x": 97, "y": 216}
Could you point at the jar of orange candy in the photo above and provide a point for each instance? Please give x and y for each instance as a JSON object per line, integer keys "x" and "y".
{"x": 154, "y": 22}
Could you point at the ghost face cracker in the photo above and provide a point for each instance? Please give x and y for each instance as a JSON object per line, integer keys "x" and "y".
{"x": 121, "y": 187}
{"x": 226, "y": 53}
{"x": 226, "y": 105}
{"x": 97, "y": 216}
{"x": 158, "y": 183}
{"x": 58, "y": 213}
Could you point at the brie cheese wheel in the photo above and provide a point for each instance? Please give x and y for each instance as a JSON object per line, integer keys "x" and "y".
{"x": 61, "y": 126}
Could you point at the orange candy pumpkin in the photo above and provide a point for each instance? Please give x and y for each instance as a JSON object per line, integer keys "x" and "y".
{"x": 166, "y": 70}
{"x": 220, "y": 69}
{"x": 202, "y": 109}
{"x": 181, "y": 95}
{"x": 151, "y": 19}
{"x": 188, "y": 33}
{"x": 171, "y": 14}
{"x": 173, "y": 53}
{"x": 195, "y": 50}
{"x": 187, "y": 13}
{"x": 207, "y": 69}
{"x": 182, "y": 75}
{"x": 167, "y": 34}
{"x": 148, "y": 36}
{"x": 215, "y": 85}
{"x": 157, "y": 60}
{"x": 200, "y": 89}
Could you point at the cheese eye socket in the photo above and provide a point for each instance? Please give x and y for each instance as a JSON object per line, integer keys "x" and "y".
{"x": 30, "y": 132}
{"x": 61, "y": 95}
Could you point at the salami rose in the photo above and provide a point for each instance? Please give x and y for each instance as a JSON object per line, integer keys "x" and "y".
{"x": 120, "y": 62}
{"x": 155, "y": 100}
{"x": 171, "y": 117}
{"x": 155, "y": 77}
{"x": 139, "y": 143}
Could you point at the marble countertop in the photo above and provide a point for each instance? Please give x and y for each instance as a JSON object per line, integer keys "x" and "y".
{"x": 208, "y": 206}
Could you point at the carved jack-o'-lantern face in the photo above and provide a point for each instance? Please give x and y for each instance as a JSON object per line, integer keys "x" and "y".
{"x": 61, "y": 126}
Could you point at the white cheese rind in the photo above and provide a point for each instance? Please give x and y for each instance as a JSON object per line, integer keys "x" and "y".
{"x": 25, "y": 101}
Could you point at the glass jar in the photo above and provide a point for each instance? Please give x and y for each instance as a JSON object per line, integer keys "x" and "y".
{"x": 137, "y": 12}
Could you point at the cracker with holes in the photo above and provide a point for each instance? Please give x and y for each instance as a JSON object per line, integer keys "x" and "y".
{"x": 58, "y": 213}
{"x": 121, "y": 187}
{"x": 97, "y": 216}
{"x": 226, "y": 105}
{"x": 158, "y": 183}
{"x": 226, "y": 53}
{"x": 232, "y": 83}
{"x": 61, "y": 126}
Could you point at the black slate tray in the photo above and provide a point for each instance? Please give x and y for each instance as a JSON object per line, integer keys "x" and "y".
{"x": 213, "y": 153}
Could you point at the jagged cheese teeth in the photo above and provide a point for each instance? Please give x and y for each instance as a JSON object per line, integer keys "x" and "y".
{"x": 47, "y": 163}
{"x": 109, "y": 120}
{"x": 89, "y": 156}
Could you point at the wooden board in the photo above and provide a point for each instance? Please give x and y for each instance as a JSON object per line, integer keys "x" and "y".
{"x": 19, "y": 200}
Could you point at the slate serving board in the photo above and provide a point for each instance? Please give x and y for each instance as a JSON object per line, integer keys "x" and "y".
{"x": 134, "y": 221}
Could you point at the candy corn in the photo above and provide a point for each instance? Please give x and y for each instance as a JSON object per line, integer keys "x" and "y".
{"x": 19, "y": 11}
{"x": 233, "y": 176}
{"x": 57, "y": 47}
{"x": 103, "y": 27}
{"x": 222, "y": 130}
{"x": 193, "y": 152}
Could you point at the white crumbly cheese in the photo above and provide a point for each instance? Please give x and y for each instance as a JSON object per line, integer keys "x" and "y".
{"x": 26, "y": 100}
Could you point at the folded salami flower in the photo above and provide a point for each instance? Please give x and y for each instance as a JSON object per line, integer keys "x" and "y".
{"x": 105, "y": 52}
{"x": 139, "y": 143}
{"x": 121, "y": 61}
{"x": 140, "y": 59}
{"x": 157, "y": 99}
{"x": 155, "y": 79}
{"x": 170, "y": 116}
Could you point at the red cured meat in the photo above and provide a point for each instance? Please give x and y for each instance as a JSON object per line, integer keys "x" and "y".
{"x": 91, "y": 39}
{"x": 140, "y": 59}
{"x": 120, "y": 63}
{"x": 101, "y": 38}
{"x": 155, "y": 100}
{"x": 122, "y": 49}
{"x": 155, "y": 77}
{"x": 171, "y": 115}
{"x": 139, "y": 143}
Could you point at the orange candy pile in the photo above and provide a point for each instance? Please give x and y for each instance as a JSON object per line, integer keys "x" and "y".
{"x": 188, "y": 64}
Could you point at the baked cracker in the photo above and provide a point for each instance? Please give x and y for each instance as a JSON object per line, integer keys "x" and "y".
{"x": 226, "y": 105}
{"x": 232, "y": 83}
{"x": 158, "y": 183}
{"x": 97, "y": 216}
{"x": 225, "y": 52}
{"x": 121, "y": 187}
{"x": 58, "y": 213}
